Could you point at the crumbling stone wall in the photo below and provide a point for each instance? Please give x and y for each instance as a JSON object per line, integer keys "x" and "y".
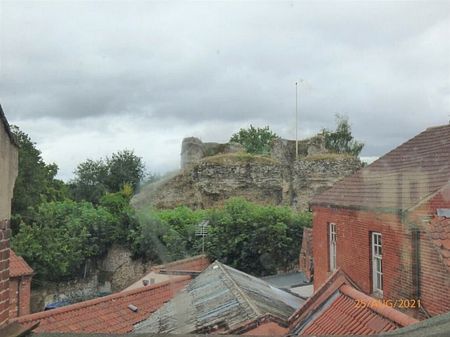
{"x": 213, "y": 172}
{"x": 314, "y": 174}
{"x": 210, "y": 183}
{"x": 193, "y": 150}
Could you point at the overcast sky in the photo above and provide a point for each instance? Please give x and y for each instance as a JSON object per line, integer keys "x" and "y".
{"x": 87, "y": 79}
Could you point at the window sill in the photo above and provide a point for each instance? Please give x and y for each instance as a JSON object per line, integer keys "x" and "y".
{"x": 377, "y": 294}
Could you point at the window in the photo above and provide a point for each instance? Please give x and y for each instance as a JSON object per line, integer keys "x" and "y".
{"x": 332, "y": 245}
{"x": 377, "y": 268}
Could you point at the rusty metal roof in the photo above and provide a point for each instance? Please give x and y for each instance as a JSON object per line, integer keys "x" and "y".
{"x": 220, "y": 298}
{"x": 399, "y": 180}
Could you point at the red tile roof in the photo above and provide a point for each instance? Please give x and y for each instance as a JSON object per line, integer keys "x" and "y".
{"x": 335, "y": 309}
{"x": 400, "y": 179}
{"x": 109, "y": 314}
{"x": 439, "y": 230}
{"x": 18, "y": 266}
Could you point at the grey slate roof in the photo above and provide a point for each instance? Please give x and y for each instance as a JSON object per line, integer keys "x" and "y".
{"x": 220, "y": 296}
{"x": 287, "y": 280}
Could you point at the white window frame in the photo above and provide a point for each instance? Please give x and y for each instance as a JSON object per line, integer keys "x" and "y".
{"x": 332, "y": 235}
{"x": 377, "y": 263}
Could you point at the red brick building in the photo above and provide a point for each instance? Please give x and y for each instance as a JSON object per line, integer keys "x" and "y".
{"x": 387, "y": 225}
{"x": 20, "y": 274}
{"x": 306, "y": 254}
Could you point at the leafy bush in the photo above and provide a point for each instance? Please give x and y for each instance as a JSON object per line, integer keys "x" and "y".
{"x": 256, "y": 239}
{"x": 63, "y": 235}
{"x": 147, "y": 240}
{"x": 255, "y": 140}
{"x": 35, "y": 182}
{"x": 95, "y": 178}
{"x": 167, "y": 235}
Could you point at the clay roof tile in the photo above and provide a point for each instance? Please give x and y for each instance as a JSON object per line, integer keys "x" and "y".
{"x": 18, "y": 266}
{"x": 109, "y": 314}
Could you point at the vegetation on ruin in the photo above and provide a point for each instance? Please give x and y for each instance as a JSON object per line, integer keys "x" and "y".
{"x": 341, "y": 140}
{"x": 255, "y": 140}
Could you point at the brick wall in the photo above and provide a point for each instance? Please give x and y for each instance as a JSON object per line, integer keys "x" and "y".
{"x": 354, "y": 250}
{"x": 5, "y": 233}
{"x": 20, "y": 293}
{"x": 434, "y": 275}
{"x": 427, "y": 208}
{"x": 306, "y": 253}
{"x": 434, "y": 279}
{"x": 195, "y": 263}
{"x": 399, "y": 260}
{"x": 13, "y": 297}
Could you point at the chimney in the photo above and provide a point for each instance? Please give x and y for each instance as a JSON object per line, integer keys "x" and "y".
{"x": 5, "y": 233}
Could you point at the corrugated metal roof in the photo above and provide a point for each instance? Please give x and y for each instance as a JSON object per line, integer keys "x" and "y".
{"x": 287, "y": 280}
{"x": 400, "y": 179}
{"x": 220, "y": 297}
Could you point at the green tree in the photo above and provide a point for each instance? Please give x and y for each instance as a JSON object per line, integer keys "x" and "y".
{"x": 118, "y": 204}
{"x": 167, "y": 235}
{"x": 255, "y": 140}
{"x": 147, "y": 241}
{"x": 35, "y": 183}
{"x": 62, "y": 236}
{"x": 181, "y": 240}
{"x": 94, "y": 178}
{"x": 90, "y": 181}
{"x": 256, "y": 239}
{"x": 124, "y": 167}
{"x": 341, "y": 140}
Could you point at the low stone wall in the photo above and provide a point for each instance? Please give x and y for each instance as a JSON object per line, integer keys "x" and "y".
{"x": 114, "y": 272}
{"x": 64, "y": 291}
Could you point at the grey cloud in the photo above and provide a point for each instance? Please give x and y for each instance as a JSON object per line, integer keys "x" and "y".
{"x": 184, "y": 66}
